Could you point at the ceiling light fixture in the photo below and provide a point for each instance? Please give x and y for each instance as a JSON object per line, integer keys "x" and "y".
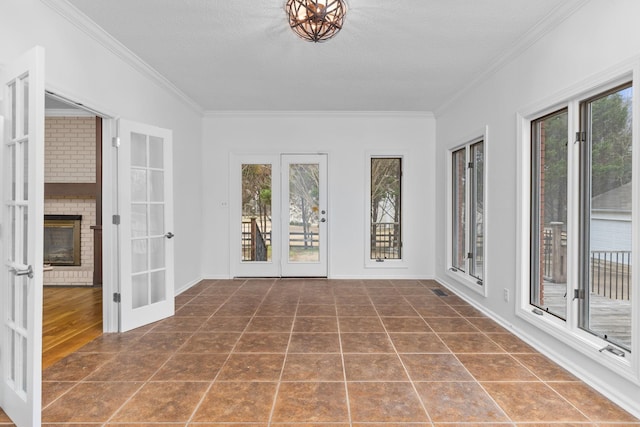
{"x": 316, "y": 20}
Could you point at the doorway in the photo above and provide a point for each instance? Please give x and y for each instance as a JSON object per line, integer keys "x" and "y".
{"x": 72, "y": 297}
{"x": 279, "y": 212}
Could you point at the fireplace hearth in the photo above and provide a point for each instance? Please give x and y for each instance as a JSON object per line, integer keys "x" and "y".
{"x": 62, "y": 240}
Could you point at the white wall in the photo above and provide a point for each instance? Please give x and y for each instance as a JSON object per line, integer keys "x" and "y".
{"x": 601, "y": 35}
{"x": 80, "y": 68}
{"x": 346, "y": 137}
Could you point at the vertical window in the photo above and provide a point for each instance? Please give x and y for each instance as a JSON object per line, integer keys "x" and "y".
{"x": 386, "y": 208}
{"x": 548, "y": 289}
{"x": 584, "y": 213}
{"x": 606, "y": 216}
{"x": 256, "y": 212}
{"x": 467, "y": 208}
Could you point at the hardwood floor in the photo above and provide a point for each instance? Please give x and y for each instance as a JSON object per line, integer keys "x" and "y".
{"x": 72, "y": 317}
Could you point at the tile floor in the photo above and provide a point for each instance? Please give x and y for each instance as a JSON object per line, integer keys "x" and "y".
{"x": 318, "y": 353}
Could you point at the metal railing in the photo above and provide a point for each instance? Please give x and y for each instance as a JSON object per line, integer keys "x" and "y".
{"x": 254, "y": 247}
{"x": 611, "y": 274}
{"x": 385, "y": 240}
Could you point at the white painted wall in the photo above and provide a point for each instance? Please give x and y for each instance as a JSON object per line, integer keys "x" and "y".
{"x": 82, "y": 69}
{"x": 347, "y": 138}
{"x": 601, "y": 35}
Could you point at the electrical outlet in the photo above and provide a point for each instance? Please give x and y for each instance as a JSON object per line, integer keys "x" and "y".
{"x": 506, "y": 295}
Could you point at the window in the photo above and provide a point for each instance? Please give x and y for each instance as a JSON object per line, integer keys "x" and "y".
{"x": 386, "y": 209}
{"x": 467, "y": 211}
{"x": 581, "y": 219}
{"x": 548, "y": 290}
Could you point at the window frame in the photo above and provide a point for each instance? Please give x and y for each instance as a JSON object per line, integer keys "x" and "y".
{"x": 386, "y": 263}
{"x": 470, "y": 281}
{"x": 568, "y": 330}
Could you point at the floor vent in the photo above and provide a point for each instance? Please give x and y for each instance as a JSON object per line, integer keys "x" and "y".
{"x": 439, "y": 292}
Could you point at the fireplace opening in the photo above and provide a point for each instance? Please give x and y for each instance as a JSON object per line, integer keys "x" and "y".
{"x": 62, "y": 240}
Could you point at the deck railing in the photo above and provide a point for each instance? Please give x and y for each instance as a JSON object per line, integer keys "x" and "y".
{"x": 611, "y": 274}
{"x": 254, "y": 247}
{"x": 385, "y": 240}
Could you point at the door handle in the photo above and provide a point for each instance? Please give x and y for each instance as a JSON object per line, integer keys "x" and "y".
{"x": 323, "y": 220}
{"x": 169, "y": 235}
{"x": 22, "y": 270}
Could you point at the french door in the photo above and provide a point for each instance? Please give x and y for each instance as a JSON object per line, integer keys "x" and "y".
{"x": 279, "y": 215}
{"x": 145, "y": 206}
{"x": 22, "y": 238}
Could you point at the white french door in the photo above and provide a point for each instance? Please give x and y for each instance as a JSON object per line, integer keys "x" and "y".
{"x": 22, "y": 238}
{"x": 279, "y": 215}
{"x": 145, "y": 205}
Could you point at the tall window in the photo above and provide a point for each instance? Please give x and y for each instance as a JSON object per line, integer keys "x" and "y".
{"x": 386, "y": 208}
{"x": 467, "y": 208}
{"x": 599, "y": 194}
{"x": 549, "y": 161}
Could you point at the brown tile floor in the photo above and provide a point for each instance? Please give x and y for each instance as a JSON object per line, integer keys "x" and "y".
{"x": 318, "y": 353}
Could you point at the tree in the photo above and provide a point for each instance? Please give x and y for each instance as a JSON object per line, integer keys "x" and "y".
{"x": 256, "y": 192}
{"x": 304, "y": 184}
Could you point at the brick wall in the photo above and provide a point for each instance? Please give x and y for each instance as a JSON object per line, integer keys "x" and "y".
{"x": 70, "y": 157}
{"x": 70, "y": 149}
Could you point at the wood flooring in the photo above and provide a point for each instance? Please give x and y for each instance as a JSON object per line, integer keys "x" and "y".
{"x": 72, "y": 317}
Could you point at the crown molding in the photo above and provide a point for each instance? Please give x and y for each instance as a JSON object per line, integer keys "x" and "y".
{"x": 544, "y": 26}
{"x": 93, "y": 30}
{"x": 324, "y": 113}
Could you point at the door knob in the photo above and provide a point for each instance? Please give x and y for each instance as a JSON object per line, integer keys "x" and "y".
{"x": 323, "y": 220}
{"x": 22, "y": 270}
{"x": 169, "y": 235}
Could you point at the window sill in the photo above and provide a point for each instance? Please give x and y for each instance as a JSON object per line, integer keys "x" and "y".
{"x": 468, "y": 281}
{"x": 387, "y": 263}
{"x": 583, "y": 342}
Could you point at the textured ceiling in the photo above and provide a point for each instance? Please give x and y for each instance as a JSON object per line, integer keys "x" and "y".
{"x": 392, "y": 55}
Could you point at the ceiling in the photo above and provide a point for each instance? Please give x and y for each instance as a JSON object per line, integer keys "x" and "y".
{"x": 392, "y": 55}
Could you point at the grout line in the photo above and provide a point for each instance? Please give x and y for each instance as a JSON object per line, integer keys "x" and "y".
{"x": 344, "y": 366}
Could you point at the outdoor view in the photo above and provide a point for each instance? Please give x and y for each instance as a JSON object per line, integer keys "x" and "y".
{"x": 386, "y": 175}
{"x": 606, "y": 216}
{"x": 257, "y": 239}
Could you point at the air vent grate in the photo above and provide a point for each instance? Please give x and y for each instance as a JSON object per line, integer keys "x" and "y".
{"x": 439, "y": 292}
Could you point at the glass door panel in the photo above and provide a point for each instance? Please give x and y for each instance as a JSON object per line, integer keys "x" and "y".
{"x": 304, "y": 213}
{"x": 256, "y": 237}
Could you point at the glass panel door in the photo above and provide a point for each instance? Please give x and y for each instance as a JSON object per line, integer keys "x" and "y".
{"x": 606, "y": 182}
{"x": 146, "y": 212}
{"x": 304, "y": 219}
{"x": 22, "y": 239}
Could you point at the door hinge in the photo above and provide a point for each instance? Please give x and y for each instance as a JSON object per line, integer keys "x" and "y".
{"x": 116, "y": 297}
{"x": 469, "y": 254}
{"x": 578, "y": 294}
{"x": 115, "y": 219}
{"x": 115, "y": 141}
{"x": 581, "y": 136}
{"x": 470, "y": 165}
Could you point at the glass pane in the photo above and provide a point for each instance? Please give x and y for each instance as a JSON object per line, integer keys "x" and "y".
{"x": 138, "y": 185}
{"x": 304, "y": 184}
{"x": 13, "y": 362}
{"x": 12, "y": 94}
{"x": 138, "y": 150}
{"x": 476, "y": 266}
{"x": 24, "y": 298}
{"x": 156, "y": 152}
{"x": 139, "y": 254}
{"x": 140, "y": 290}
{"x": 386, "y": 207}
{"x": 13, "y": 302}
{"x": 139, "y": 220}
{"x": 156, "y": 184}
{"x": 14, "y": 232}
{"x": 12, "y": 172}
{"x": 23, "y": 361}
{"x": 25, "y": 236}
{"x": 256, "y": 212}
{"x": 25, "y": 106}
{"x": 25, "y": 170}
{"x": 156, "y": 220}
{"x": 458, "y": 209}
{"x": 158, "y": 290}
{"x": 549, "y": 214}
{"x": 608, "y": 312}
{"x": 156, "y": 253}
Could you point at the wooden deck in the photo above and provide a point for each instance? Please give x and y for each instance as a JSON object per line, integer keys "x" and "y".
{"x": 608, "y": 316}
{"x": 72, "y": 317}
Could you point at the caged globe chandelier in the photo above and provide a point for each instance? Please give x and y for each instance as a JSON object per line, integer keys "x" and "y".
{"x": 316, "y": 20}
